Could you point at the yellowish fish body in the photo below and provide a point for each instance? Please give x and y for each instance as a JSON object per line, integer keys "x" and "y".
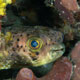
{"x": 34, "y": 46}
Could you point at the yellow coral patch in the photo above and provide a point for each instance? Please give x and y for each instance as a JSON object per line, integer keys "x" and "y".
{"x": 3, "y": 4}
{"x": 8, "y": 37}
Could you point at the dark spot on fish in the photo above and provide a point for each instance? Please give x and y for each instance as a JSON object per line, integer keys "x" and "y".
{"x": 28, "y": 34}
{"x": 17, "y": 46}
{"x": 21, "y": 35}
{"x": 13, "y": 49}
{"x": 18, "y": 39}
{"x": 15, "y": 33}
{"x": 37, "y": 53}
{"x": 30, "y": 54}
{"x": 46, "y": 43}
{"x": 13, "y": 36}
{"x": 21, "y": 46}
{"x": 24, "y": 50}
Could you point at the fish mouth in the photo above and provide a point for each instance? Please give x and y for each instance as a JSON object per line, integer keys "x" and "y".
{"x": 61, "y": 50}
{"x": 57, "y": 48}
{"x": 56, "y": 51}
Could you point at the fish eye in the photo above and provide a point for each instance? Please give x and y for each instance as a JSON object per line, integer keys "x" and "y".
{"x": 34, "y": 44}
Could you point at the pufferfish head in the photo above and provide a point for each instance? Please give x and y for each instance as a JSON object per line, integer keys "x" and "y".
{"x": 37, "y": 49}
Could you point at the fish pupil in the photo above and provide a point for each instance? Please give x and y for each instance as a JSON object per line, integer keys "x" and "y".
{"x": 34, "y": 43}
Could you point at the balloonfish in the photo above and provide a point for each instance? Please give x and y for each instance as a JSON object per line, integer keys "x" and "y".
{"x": 30, "y": 46}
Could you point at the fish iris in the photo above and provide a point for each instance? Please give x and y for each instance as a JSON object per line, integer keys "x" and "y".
{"x": 34, "y": 44}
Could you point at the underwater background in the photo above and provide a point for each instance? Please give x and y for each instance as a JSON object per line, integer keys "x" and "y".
{"x": 39, "y": 40}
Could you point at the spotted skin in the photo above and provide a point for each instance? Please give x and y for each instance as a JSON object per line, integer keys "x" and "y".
{"x": 18, "y": 50}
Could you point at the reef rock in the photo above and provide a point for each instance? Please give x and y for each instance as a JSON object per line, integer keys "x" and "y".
{"x": 66, "y": 7}
{"x": 25, "y": 74}
{"x": 75, "y": 53}
{"x": 61, "y": 70}
{"x": 70, "y": 4}
{"x": 76, "y": 73}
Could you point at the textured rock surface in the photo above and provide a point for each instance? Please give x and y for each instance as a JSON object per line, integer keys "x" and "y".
{"x": 25, "y": 74}
{"x": 77, "y": 16}
{"x": 66, "y": 7}
{"x": 76, "y": 73}
{"x": 61, "y": 70}
{"x": 70, "y": 4}
{"x": 75, "y": 53}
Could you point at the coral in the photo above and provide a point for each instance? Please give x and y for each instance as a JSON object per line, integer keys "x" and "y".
{"x": 71, "y": 5}
{"x": 25, "y": 74}
{"x": 62, "y": 70}
{"x": 76, "y": 73}
{"x": 75, "y": 56}
{"x": 65, "y": 10}
{"x": 3, "y": 4}
{"x": 75, "y": 53}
